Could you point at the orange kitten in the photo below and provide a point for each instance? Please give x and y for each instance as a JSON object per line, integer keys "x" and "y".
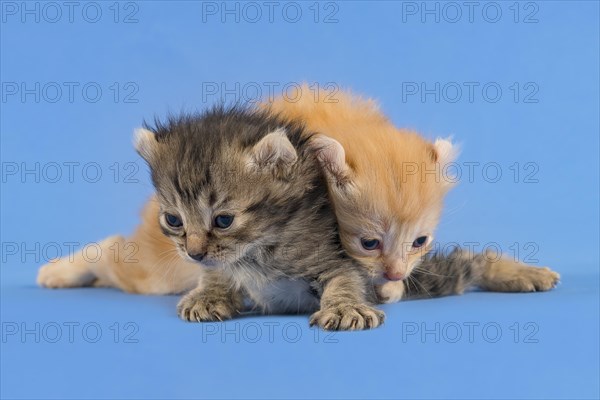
{"x": 388, "y": 186}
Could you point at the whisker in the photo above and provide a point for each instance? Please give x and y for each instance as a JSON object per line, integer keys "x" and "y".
{"x": 422, "y": 287}
{"x": 426, "y": 272}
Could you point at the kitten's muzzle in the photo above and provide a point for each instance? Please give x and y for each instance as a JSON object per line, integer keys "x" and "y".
{"x": 395, "y": 269}
{"x": 394, "y": 276}
{"x": 197, "y": 256}
{"x": 196, "y": 246}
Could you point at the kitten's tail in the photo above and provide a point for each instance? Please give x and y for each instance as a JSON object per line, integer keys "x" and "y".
{"x": 442, "y": 274}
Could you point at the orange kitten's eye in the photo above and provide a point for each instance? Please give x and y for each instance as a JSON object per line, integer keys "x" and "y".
{"x": 370, "y": 244}
{"x": 419, "y": 242}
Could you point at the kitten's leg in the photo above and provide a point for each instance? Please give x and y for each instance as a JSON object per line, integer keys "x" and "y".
{"x": 86, "y": 267}
{"x": 440, "y": 275}
{"x": 144, "y": 265}
{"x": 147, "y": 262}
{"x": 344, "y": 305}
{"x": 214, "y": 299}
{"x": 506, "y": 275}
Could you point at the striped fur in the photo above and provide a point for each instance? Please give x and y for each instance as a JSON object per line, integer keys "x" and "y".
{"x": 283, "y": 249}
{"x": 441, "y": 274}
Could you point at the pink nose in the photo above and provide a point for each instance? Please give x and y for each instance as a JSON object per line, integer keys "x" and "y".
{"x": 394, "y": 276}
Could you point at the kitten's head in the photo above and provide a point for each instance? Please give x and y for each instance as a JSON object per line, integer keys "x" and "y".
{"x": 388, "y": 196}
{"x": 223, "y": 180}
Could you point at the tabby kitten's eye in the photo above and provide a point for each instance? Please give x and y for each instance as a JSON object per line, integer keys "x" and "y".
{"x": 173, "y": 221}
{"x": 223, "y": 221}
{"x": 369, "y": 244}
{"x": 419, "y": 242}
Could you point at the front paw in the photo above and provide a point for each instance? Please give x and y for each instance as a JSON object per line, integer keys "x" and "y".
{"x": 197, "y": 307}
{"x": 390, "y": 292}
{"x": 348, "y": 317}
{"x": 64, "y": 273}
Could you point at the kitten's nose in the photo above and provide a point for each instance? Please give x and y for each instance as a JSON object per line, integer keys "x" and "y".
{"x": 196, "y": 246}
{"x": 394, "y": 276}
{"x": 197, "y": 256}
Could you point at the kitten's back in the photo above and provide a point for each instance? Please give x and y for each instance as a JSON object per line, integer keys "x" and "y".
{"x": 390, "y": 164}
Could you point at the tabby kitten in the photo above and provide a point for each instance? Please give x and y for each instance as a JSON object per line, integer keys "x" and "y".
{"x": 241, "y": 192}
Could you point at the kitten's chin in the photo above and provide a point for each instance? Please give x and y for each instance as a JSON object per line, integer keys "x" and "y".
{"x": 205, "y": 262}
{"x": 382, "y": 278}
{"x": 379, "y": 280}
{"x": 210, "y": 264}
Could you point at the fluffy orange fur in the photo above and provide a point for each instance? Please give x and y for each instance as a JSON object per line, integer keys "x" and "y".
{"x": 147, "y": 262}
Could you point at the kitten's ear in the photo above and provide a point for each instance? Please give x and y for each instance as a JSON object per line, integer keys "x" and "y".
{"x": 332, "y": 157}
{"x": 445, "y": 152}
{"x": 145, "y": 143}
{"x": 274, "y": 150}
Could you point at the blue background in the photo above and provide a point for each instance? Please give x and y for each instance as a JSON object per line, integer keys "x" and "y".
{"x": 167, "y": 55}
